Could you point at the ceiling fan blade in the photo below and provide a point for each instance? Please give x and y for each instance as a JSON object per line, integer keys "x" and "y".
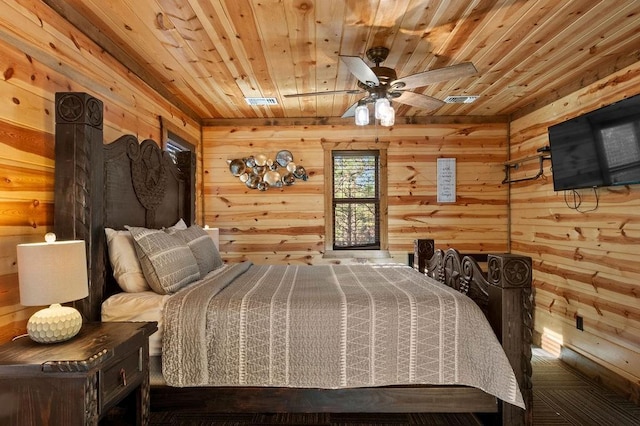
{"x": 327, "y": 92}
{"x": 425, "y": 78}
{"x": 351, "y": 111}
{"x": 419, "y": 101}
{"x": 361, "y": 70}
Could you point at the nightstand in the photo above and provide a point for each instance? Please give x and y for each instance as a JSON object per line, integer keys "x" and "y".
{"x": 76, "y": 382}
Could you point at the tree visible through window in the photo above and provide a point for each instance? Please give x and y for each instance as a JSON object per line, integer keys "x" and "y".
{"x": 356, "y": 200}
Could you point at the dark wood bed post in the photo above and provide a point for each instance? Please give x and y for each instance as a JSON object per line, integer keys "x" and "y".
{"x": 510, "y": 313}
{"x": 82, "y": 188}
{"x": 78, "y": 212}
{"x": 505, "y": 295}
{"x": 423, "y": 250}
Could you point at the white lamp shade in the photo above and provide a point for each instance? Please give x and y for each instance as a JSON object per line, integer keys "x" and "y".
{"x": 381, "y": 107}
{"x": 388, "y": 118}
{"x": 54, "y": 272}
{"x": 362, "y": 115}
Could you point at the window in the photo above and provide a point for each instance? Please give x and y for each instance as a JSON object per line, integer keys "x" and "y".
{"x": 182, "y": 150}
{"x": 174, "y": 145}
{"x": 173, "y": 142}
{"x": 356, "y": 200}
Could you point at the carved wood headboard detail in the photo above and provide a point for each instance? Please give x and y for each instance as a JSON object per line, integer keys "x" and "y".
{"x": 93, "y": 193}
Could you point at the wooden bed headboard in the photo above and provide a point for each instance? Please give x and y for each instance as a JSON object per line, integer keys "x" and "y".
{"x": 100, "y": 186}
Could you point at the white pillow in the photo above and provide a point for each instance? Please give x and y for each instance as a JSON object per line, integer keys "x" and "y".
{"x": 124, "y": 261}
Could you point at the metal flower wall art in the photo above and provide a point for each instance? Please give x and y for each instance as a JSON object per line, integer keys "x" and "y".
{"x": 262, "y": 172}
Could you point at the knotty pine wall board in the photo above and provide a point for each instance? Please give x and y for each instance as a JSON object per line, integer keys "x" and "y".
{"x": 251, "y": 221}
{"x": 585, "y": 264}
{"x": 43, "y": 54}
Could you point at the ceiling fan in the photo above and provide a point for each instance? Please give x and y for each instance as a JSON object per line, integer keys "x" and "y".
{"x": 383, "y": 83}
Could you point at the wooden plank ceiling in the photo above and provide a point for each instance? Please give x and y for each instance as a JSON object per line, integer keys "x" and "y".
{"x": 208, "y": 55}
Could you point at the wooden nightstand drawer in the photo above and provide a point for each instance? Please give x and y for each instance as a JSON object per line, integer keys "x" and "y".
{"x": 120, "y": 378}
{"x": 77, "y": 381}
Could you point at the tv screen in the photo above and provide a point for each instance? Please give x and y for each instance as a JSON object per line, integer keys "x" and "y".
{"x": 600, "y": 148}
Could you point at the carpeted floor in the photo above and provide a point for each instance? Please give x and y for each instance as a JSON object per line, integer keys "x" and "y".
{"x": 562, "y": 396}
{"x": 316, "y": 419}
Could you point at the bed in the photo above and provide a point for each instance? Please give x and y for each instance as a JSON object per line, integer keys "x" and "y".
{"x": 127, "y": 183}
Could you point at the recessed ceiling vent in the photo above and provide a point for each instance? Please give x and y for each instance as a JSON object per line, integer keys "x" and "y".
{"x": 460, "y": 99}
{"x": 261, "y": 101}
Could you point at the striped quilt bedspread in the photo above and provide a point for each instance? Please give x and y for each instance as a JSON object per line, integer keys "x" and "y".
{"x": 330, "y": 326}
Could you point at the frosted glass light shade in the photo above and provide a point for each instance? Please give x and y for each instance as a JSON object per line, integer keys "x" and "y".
{"x": 389, "y": 117}
{"x": 51, "y": 273}
{"x": 362, "y": 115}
{"x": 381, "y": 107}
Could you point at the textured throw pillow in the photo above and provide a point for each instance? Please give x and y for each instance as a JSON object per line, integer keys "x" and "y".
{"x": 202, "y": 247}
{"x": 124, "y": 261}
{"x": 167, "y": 263}
{"x": 180, "y": 224}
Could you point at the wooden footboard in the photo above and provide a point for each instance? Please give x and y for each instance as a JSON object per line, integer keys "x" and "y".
{"x": 504, "y": 293}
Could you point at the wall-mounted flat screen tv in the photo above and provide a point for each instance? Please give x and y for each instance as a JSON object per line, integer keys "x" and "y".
{"x": 600, "y": 148}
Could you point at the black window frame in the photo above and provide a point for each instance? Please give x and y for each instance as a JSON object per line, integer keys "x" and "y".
{"x": 376, "y": 201}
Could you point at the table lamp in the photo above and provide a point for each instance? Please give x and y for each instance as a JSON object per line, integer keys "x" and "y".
{"x": 52, "y": 273}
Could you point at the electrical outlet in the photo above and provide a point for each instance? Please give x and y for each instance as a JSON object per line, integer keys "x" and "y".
{"x": 579, "y": 323}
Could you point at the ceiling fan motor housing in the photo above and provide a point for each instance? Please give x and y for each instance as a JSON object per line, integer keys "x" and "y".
{"x": 385, "y": 76}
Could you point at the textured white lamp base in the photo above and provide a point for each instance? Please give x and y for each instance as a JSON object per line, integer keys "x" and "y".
{"x": 54, "y": 324}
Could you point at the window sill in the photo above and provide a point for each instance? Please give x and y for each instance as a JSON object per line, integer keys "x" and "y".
{"x": 356, "y": 254}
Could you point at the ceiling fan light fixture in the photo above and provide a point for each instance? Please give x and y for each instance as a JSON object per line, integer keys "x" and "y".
{"x": 362, "y": 115}
{"x": 383, "y": 86}
{"x": 388, "y": 118}
{"x": 381, "y": 106}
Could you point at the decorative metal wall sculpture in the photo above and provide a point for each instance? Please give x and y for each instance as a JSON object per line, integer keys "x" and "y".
{"x": 261, "y": 172}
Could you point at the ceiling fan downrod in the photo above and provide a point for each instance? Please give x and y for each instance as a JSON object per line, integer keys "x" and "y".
{"x": 377, "y": 54}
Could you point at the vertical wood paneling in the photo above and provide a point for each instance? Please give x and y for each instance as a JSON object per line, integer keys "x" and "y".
{"x": 587, "y": 263}
{"x": 287, "y": 225}
{"x": 41, "y": 55}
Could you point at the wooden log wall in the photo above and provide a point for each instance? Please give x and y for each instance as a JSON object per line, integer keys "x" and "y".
{"x": 585, "y": 264}
{"x": 287, "y": 225}
{"x": 41, "y": 55}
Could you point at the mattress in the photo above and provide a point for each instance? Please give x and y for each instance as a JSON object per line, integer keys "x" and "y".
{"x": 142, "y": 306}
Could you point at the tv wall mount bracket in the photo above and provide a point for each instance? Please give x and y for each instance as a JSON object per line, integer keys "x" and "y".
{"x": 541, "y": 156}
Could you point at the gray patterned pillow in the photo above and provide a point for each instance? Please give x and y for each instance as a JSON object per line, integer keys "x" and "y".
{"x": 167, "y": 263}
{"x": 202, "y": 247}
